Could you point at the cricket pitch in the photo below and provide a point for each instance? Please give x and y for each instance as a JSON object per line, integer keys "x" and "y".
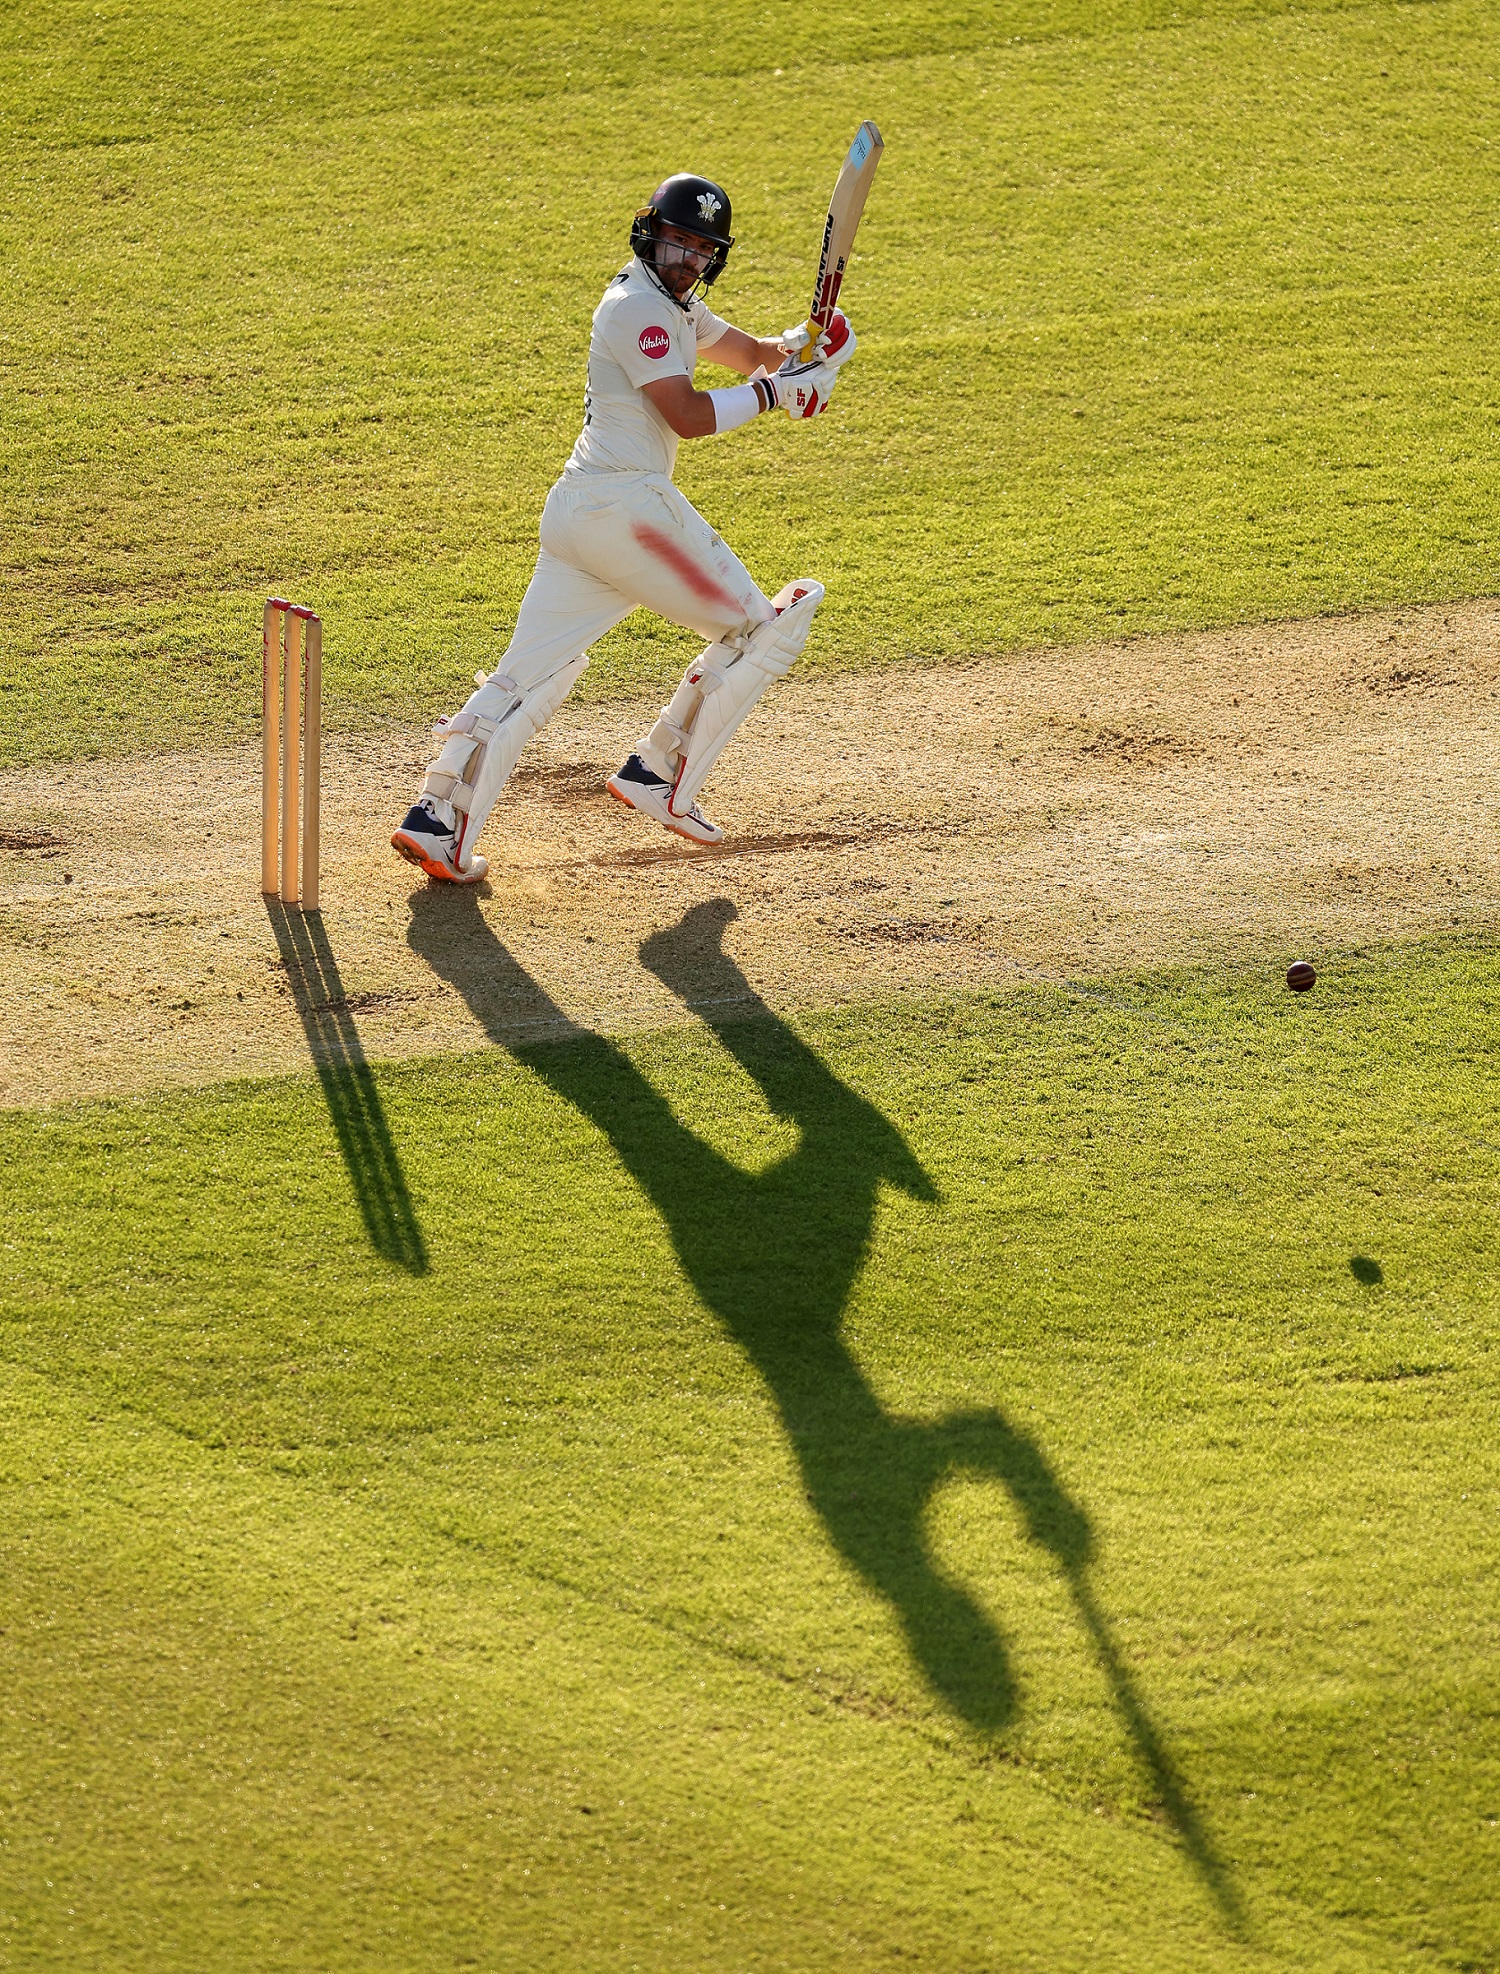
{"x": 1261, "y": 794}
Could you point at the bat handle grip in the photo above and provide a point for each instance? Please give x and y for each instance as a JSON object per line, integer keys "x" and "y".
{"x": 816, "y": 323}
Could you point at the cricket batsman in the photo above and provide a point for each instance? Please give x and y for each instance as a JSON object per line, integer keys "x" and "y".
{"x": 616, "y": 534}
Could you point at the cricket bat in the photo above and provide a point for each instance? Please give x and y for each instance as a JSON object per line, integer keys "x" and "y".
{"x": 855, "y": 178}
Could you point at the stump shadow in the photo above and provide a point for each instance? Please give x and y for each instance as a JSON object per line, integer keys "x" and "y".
{"x": 349, "y": 1087}
{"x": 775, "y": 1255}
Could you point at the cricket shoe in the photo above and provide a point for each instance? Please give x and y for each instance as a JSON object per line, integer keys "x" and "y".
{"x": 638, "y": 788}
{"x": 425, "y": 840}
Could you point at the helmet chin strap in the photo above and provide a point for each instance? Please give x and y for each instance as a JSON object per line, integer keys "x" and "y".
{"x": 655, "y": 273}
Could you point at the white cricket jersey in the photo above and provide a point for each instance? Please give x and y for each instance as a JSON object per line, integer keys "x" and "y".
{"x": 639, "y": 333}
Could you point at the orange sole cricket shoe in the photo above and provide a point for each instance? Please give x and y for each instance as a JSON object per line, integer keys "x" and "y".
{"x": 649, "y": 795}
{"x": 423, "y": 841}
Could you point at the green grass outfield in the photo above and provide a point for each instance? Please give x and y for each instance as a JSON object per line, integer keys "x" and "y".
{"x": 1170, "y": 315}
{"x": 1002, "y": 1482}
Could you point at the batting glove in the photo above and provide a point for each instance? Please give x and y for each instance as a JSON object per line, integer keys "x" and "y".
{"x": 802, "y": 390}
{"x": 832, "y": 346}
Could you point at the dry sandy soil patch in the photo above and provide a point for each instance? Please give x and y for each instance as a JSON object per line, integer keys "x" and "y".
{"x": 1249, "y": 794}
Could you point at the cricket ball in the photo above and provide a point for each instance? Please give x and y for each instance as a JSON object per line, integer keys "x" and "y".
{"x": 1300, "y": 976}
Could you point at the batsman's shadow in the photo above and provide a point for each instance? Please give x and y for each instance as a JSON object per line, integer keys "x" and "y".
{"x": 349, "y": 1087}
{"x": 775, "y": 1255}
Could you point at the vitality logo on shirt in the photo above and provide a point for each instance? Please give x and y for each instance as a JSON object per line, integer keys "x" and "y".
{"x": 655, "y": 342}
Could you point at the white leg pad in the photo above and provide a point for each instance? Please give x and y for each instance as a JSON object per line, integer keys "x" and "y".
{"x": 482, "y": 744}
{"x": 664, "y": 747}
{"x": 724, "y": 683}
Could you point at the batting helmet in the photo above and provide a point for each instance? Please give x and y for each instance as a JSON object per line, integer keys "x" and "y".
{"x": 693, "y": 205}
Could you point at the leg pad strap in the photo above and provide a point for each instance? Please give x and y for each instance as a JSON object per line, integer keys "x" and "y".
{"x": 499, "y": 720}
{"x": 725, "y": 682}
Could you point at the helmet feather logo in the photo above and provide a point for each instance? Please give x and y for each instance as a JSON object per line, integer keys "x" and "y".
{"x": 708, "y": 205}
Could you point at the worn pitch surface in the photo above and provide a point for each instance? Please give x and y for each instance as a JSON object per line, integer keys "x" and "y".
{"x": 1262, "y": 792}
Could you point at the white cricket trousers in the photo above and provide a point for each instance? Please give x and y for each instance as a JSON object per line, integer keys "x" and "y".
{"x": 611, "y": 543}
